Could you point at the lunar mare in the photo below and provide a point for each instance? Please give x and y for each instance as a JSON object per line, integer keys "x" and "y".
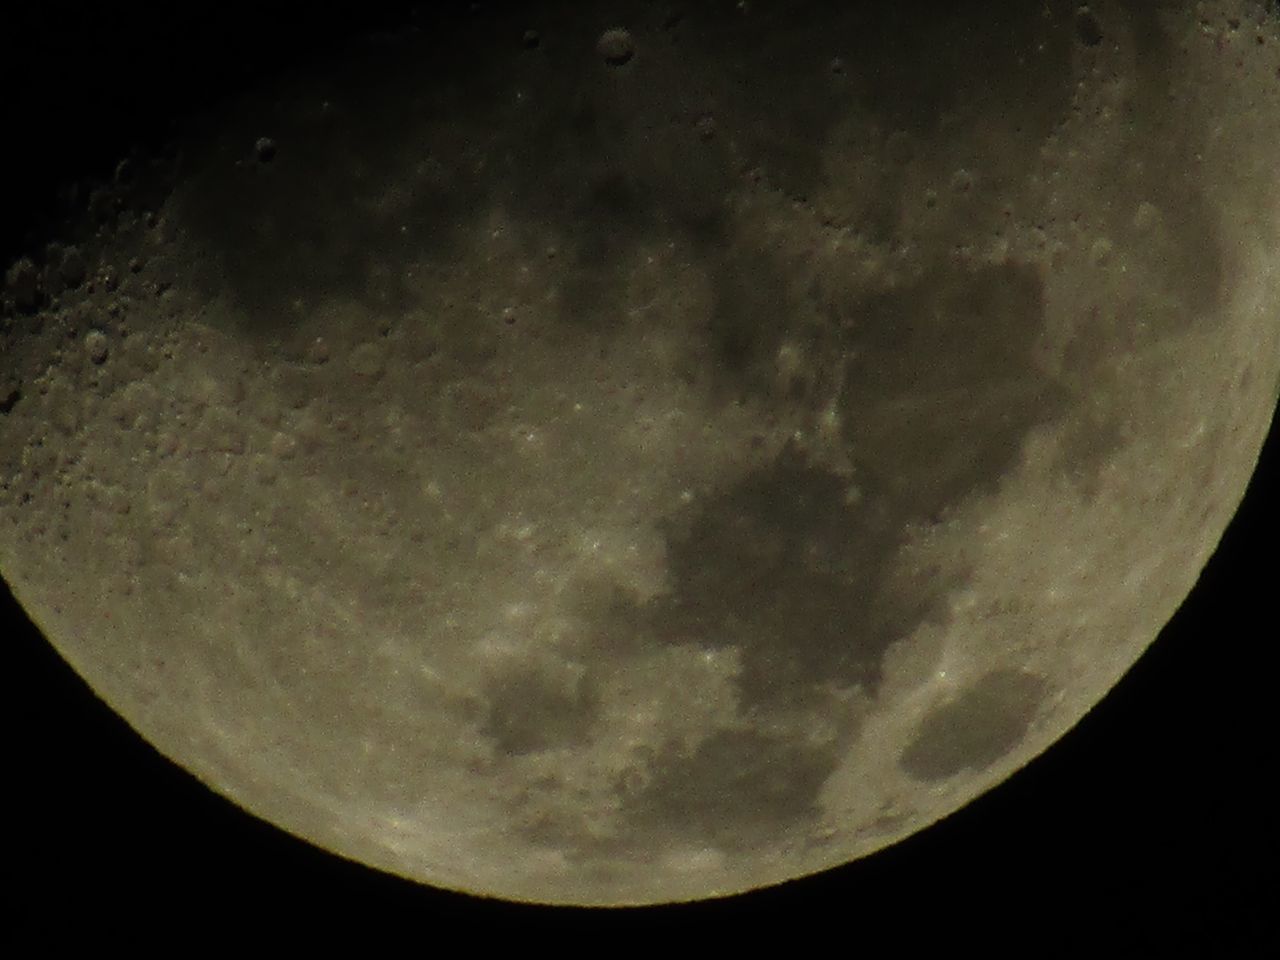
{"x": 557, "y": 460}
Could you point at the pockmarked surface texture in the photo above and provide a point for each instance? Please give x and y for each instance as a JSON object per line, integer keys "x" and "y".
{"x": 611, "y": 457}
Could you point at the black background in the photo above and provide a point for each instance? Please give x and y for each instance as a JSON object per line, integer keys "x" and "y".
{"x": 1152, "y": 822}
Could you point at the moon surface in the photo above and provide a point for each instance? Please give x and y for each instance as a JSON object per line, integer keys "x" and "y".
{"x": 548, "y": 457}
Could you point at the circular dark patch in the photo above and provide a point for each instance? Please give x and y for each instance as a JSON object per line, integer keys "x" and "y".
{"x": 616, "y": 47}
{"x": 977, "y": 728}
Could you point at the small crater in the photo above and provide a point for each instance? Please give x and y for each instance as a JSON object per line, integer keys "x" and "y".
{"x": 317, "y": 352}
{"x": 616, "y": 47}
{"x": 264, "y": 149}
{"x": 977, "y": 728}
{"x": 96, "y": 346}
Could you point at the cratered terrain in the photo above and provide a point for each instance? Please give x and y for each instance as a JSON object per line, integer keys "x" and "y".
{"x": 629, "y": 457}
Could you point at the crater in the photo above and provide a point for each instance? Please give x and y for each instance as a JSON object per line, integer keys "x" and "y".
{"x": 349, "y": 199}
{"x": 974, "y": 730}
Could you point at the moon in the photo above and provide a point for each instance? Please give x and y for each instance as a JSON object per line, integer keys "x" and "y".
{"x": 588, "y": 471}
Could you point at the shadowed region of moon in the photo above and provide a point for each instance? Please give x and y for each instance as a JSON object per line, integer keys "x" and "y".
{"x": 600, "y": 164}
{"x": 983, "y": 723}
{"x": 609, "y": 457}
{"x": 601, "y": 168}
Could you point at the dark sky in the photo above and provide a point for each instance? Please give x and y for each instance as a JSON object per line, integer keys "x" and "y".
{"x": 1150, "y": 821}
